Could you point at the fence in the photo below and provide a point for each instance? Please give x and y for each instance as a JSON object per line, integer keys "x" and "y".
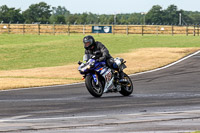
{"x": 53, "y": 29}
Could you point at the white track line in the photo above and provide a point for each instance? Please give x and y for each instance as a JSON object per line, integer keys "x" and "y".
{"x": 129, "y": 75}
{"x": 55, "y": 118}
{"x": 41, "y": 87}
{"x": 152, "y": 114}
{"x": 182, "y": 59}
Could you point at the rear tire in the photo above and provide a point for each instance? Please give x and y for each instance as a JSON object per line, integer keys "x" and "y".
{"x": 127, "y": 89}
{"x": 94, "y": 90}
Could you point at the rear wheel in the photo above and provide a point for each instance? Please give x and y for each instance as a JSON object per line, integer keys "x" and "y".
{"x": 95, "y": 90}
{"x": 127, "y": 89}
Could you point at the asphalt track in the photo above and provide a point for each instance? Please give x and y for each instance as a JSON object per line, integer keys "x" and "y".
{"x": 166, "y": 100}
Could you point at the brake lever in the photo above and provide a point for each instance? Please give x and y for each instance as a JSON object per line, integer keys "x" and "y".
{"x": 79, "y": 62}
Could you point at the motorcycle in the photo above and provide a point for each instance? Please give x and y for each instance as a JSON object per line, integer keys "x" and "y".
{"x": 101, "y": 79}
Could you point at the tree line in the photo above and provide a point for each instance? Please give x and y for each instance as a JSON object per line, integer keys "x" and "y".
{"x": 46, "y": 14}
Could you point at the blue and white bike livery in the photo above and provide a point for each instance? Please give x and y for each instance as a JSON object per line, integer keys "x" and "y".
{"x": 100, "y": 79}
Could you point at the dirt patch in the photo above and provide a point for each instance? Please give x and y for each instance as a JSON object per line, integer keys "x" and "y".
{"x": 150, "y": 58}
{"x": 137, "y": 61}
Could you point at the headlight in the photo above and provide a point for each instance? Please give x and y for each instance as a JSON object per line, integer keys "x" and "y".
{"x": 85, "y": 68}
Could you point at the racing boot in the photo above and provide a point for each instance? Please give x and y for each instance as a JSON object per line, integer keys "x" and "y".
{"x": 122, "y": 80}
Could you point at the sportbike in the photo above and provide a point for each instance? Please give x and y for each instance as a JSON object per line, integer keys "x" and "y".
{"x": 101, "y": 79}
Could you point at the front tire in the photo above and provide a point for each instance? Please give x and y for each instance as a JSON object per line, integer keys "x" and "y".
{"x": 127, "y": 89}
{"x": 94, "y": 90}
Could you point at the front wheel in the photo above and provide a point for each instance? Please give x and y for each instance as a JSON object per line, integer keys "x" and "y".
{"x": 95, "y": 90}
{"x": 126, "y": 89}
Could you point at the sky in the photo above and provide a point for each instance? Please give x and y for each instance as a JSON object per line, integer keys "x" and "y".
{"x": 106, "y": 6}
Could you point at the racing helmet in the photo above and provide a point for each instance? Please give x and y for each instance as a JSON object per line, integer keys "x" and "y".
{"x": 88, "y": 42}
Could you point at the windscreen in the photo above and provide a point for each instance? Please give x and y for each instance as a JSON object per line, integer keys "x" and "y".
{"x": 86, "y": 57}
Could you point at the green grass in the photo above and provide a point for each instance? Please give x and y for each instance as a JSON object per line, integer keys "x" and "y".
{"x": 31, "y": 51}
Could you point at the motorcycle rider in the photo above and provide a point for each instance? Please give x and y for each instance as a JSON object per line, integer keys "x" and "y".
{"x": 91, "y": 46}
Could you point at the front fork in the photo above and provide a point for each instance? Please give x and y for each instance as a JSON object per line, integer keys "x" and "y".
{"x": 95, "y": 77}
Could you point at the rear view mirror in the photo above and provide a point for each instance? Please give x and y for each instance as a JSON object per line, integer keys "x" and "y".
{"x": 79, "y": 62}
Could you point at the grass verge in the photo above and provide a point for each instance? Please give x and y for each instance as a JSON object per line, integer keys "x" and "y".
{"x": 33, "y": 51}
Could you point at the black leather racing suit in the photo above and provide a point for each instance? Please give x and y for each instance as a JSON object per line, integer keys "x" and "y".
{"x": 105, "y": 56}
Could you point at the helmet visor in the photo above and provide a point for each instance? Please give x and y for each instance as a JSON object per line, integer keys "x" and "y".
{"x": 87, "y": 44}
